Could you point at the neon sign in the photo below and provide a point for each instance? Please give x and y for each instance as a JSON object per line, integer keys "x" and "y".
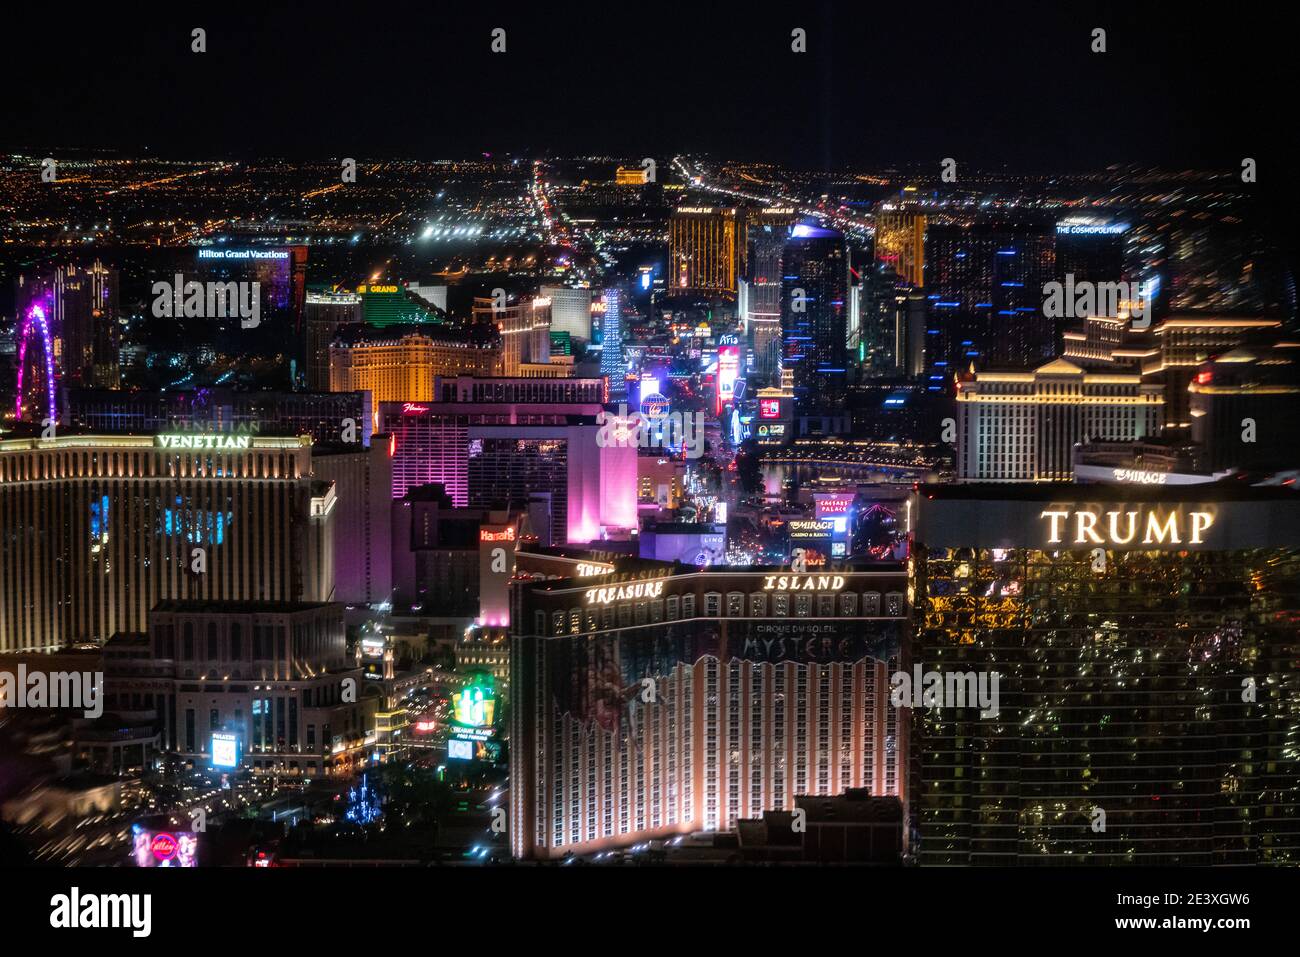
{"x": 1141, "y": 477}
{"x": 203, "y": 441}
{"x": 803, "y": 583}
{"x": 413, "y": 408}
{"x": 605, "y": 596}
{"x": 505, "y": 535}
{"x": 1168, "y": 529}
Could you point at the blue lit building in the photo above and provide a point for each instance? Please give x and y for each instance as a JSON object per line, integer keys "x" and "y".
{"x": 814, "y": 316}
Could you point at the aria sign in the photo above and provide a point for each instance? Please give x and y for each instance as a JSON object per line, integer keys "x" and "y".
{"x": 1127, "y": 527}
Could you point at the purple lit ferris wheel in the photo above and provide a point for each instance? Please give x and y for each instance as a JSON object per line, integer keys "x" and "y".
{"x": 36, "y": 324}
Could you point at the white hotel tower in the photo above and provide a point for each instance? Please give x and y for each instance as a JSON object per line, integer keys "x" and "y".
{"x": 1023, "y": 426}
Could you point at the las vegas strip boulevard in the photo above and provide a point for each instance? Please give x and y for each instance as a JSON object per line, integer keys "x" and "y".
{"x": 1146, "y": 645}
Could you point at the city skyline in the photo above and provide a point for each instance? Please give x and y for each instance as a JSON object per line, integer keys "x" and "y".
{"x": 619, "y": 439}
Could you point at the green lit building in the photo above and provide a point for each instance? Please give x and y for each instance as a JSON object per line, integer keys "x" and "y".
{"x": 389, "y": 304}
{"x": 1147, "y": 642}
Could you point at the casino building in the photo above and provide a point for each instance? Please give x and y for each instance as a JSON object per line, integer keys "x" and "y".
{"x": 656, "y": 699}
{"x": 99, "y": 529}
{"x": 1147, "y": 642}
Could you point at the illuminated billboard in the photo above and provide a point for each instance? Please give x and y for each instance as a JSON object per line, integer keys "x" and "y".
{"x": 769, "y": 408}
{"x": 474, "y": 706}
{"x": 164, "y": 848}
{"x": 225, "y": 749}
{"x": 728, "y": 372}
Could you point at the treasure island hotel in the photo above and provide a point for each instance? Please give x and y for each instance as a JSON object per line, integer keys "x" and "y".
{"x": 658, "y": 699}
{"x": 1147, "y": 641}
{"x": 100, "y": 529}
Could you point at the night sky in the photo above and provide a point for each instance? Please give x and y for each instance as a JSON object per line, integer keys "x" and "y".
{"x": 990, "y": 83}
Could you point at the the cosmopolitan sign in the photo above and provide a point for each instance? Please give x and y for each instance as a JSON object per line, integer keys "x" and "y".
{"x": 186, "y": 441}
{"x": 1148, "y": 526}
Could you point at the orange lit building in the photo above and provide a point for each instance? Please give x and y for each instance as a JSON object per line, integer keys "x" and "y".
{"x": 399, "y": 364}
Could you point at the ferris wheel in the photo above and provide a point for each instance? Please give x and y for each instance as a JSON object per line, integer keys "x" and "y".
{"x": 35, "y": 331}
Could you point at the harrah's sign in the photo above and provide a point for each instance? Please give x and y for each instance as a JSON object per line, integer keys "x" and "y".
{"x": 1126, "y": 527}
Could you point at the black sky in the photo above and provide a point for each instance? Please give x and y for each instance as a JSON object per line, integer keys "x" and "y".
{"x": 988, "y": 82}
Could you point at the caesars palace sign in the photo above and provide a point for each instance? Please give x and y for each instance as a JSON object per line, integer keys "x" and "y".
{"x": 1153, "y": 527}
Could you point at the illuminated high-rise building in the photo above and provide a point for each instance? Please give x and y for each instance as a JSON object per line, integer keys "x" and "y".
{"x": 761, "y": 308}
{"x": 400, "y": 363}
{"x": 985, "y": 285}
{"x": 105, "y": 527}
{"x": 1180, "y": 344}
{"x": 525, "y": 330}
{"x": 705, "y": 249}
{"x": 488, "y": 441}
{"x": 1145, "y": 650}
{"x": 323, "y": 313}
{"x": 814, "y": 317}
{"x": 900, "y": 242}
{"x": 612, "y": 365}
{"x": 1023, "y": 426}
{"x": 766, "y": 686}
{"x": 570, "y": 310}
